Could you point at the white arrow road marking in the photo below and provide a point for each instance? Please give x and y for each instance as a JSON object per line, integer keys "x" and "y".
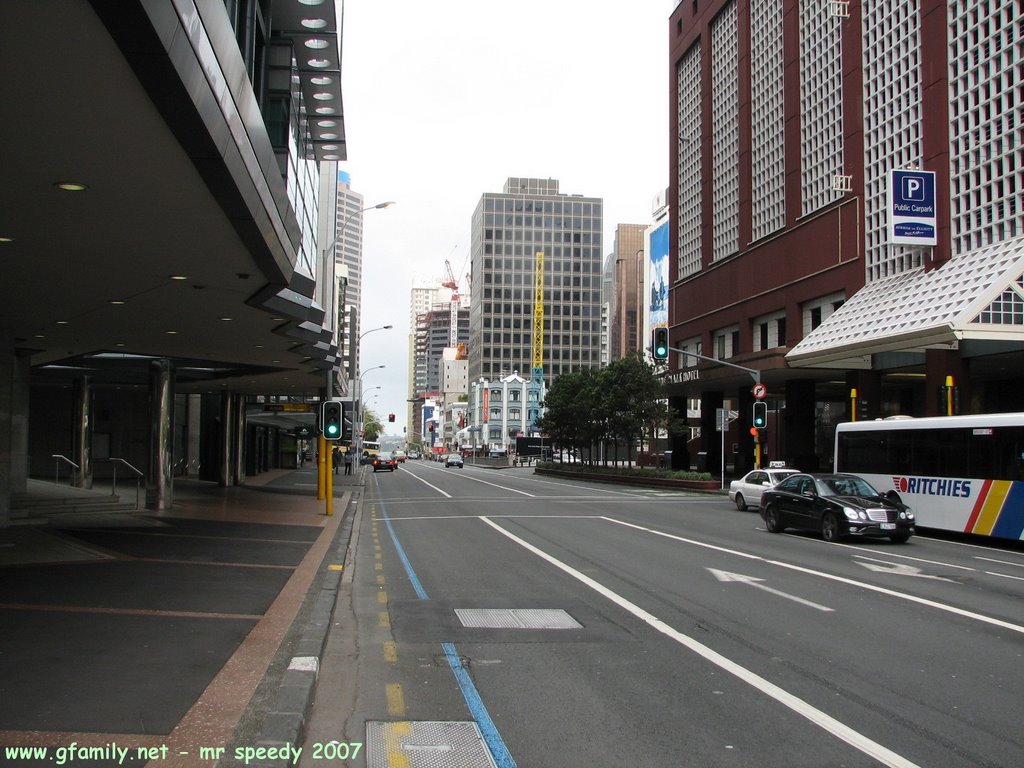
{"x": 753, "y": 581}
{"x": 898, "y": 569}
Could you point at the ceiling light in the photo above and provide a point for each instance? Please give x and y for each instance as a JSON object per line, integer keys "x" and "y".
{"x": 314, "y": 23}
{"x": 321, "y": 80}
{"x": 326, "y": 123}
{"x": 323, "y": 96}
{"x": 319, "y": 63}
{"x": 6, "y": 239}
{"x": 316, "y": 43}
{"x": 71, "y": 186}
{"x": 179, "y": 277}
{"x": 117, "y": 302}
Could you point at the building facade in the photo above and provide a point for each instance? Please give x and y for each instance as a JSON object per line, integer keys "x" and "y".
{"x": 627, "y": 265}
{"x": 204, "y": 126}
{"x": 788, "y": 120}
{"x": 348, "y": 256}
{"x": 509, "y": 229}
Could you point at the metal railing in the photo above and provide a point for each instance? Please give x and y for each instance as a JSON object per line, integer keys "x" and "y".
{"x": 58, "y": 458}
{"x": 138, "y": 478}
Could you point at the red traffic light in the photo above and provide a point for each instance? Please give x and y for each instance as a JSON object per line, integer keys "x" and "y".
{"x": 391, "y": 417}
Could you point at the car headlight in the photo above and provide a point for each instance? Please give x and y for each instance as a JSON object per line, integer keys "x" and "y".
{"x": 907, "y": 514}
{"x": 853, "y": 514}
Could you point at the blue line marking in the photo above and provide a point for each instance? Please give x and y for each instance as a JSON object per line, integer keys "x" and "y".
{"x": 502, "y": 757}
{"x": 499, "y": 751}
{"x": 421, "y": 593}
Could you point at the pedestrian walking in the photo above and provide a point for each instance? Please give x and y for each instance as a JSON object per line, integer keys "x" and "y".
{"x": 335, "y": 459}
{"x": 348, "y": 462}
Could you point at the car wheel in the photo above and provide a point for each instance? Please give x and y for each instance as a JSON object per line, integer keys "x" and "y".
{"x": 830, "y": 530}
{"x": 772, "y": 521}
{"x": 741, "y": 505}
{"x": 900, "y": 537}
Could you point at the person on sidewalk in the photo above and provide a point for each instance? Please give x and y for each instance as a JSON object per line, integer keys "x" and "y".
{"x": 348, "y": 462}
{"x": 335, "y": 459}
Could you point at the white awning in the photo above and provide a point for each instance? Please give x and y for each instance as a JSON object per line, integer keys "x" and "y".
{"x": 979, "y": 295}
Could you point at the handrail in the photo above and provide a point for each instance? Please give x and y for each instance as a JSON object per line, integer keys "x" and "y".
{"x": 65, "y": 459}
{"x": 138, "y": 478}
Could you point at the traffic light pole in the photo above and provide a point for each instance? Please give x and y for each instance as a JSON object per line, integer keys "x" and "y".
{"x": 755, "y": 374}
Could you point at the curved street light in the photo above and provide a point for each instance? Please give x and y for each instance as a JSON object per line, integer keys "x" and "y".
{"x": 334, "y": 289}
{"x": 359, "y": 412}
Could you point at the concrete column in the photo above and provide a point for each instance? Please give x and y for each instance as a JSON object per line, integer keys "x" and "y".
{"x": 83, "y": 426}
{"x": 14, "y": 397}
{"x": 710, "y": 440}
{"x": 160, "y": 474}
{"x": 226, "y": 437}
{"x": 799, "y": 446}
{"x": 940, "y": 363}
{"x": 192, "y": 443}
{"x": 239, "y": 439}
{"x": 869, "y": 394}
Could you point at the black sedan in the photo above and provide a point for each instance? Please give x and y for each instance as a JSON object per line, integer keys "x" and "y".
{"x": 385, "y": 462}
{"x": 836, "y": 506}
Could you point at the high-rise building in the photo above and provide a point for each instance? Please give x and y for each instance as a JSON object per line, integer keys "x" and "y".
{"x": 509, "y": 229}
{"x": 627, "y": 272}
{"x": 806, "y": 134}
{"x": 348, "y": 253}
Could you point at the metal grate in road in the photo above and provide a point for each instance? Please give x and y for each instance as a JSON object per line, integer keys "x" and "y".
{"x": 426, "y": 744}
{"x": 516, "y": 618}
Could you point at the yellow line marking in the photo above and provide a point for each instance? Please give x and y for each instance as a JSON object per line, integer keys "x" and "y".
{"x": 396, "y": 701}
{"x": 335, "y": 567}
{"x": 381, "y": 579}
{"x": 390, "y": 651}
{"x": 382, "y": 597}
{"x": 383, "y": 619}
{"x": 378, "y": 566}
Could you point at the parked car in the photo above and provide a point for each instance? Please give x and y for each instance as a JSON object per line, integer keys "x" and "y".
{"x": 415, "y": 455}
{"x": 400, "y": 456}
{"x": 453, "y": 460}
{"x": 385, "y": 461}
{"x": 836, "y": 506}
{"x": 748, "y": 489}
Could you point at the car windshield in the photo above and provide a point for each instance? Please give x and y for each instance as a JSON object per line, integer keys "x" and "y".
{"x": 845, "y": 486}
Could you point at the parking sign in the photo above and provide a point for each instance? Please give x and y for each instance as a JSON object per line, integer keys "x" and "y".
{"x": 912, "y": 217}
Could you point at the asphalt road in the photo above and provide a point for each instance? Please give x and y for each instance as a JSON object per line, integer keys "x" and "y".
{"x": 702, "y": 640}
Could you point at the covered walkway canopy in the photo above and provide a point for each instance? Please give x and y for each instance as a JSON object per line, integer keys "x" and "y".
{"x": 978, "y": 296}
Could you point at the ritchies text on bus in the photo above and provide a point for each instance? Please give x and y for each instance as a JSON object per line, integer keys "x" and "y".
{"x": 932, "y": 486}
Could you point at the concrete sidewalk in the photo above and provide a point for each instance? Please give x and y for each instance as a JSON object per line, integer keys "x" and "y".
{"x": 184, "y": 637}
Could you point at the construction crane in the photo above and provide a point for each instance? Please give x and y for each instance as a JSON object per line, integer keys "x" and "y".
{"x": 538, "y": 321}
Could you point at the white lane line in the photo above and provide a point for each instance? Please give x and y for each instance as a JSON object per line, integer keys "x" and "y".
{"x": 429, "y": 485}
{"x": 832, "y": 577}
{"x": 753, "y": 581}
{"x": 840, "y": 730}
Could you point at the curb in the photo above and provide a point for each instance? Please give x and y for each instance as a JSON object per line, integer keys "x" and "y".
{"x": 282, "y": 729}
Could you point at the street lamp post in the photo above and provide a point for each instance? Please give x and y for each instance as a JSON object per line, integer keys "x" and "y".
{"x": 334, "y": 290}
{"x": 359, "y": 420}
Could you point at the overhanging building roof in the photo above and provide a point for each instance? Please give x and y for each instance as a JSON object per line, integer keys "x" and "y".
{"x": 979, "y": 295}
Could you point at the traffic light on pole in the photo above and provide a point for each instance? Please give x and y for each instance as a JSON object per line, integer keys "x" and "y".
{"x": 391, "y": 417}
{"x": 760, "y": 420}
{"x": 659, "y": 344}
{"x": 331, "y": 413}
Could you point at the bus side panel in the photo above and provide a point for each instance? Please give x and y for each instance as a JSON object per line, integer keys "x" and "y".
{"x": 1010, "y": 523}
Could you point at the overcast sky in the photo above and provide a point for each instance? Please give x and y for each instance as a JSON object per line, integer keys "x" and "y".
{"x": 446, "y": 100}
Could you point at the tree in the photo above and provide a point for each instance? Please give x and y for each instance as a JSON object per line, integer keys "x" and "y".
{"x": 372, "y": 427}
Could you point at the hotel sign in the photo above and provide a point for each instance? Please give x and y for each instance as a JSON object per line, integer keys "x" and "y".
{"x": 912, "y": 217}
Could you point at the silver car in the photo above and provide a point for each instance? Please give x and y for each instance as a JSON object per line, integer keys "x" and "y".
{"x": 748, "y": 489}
